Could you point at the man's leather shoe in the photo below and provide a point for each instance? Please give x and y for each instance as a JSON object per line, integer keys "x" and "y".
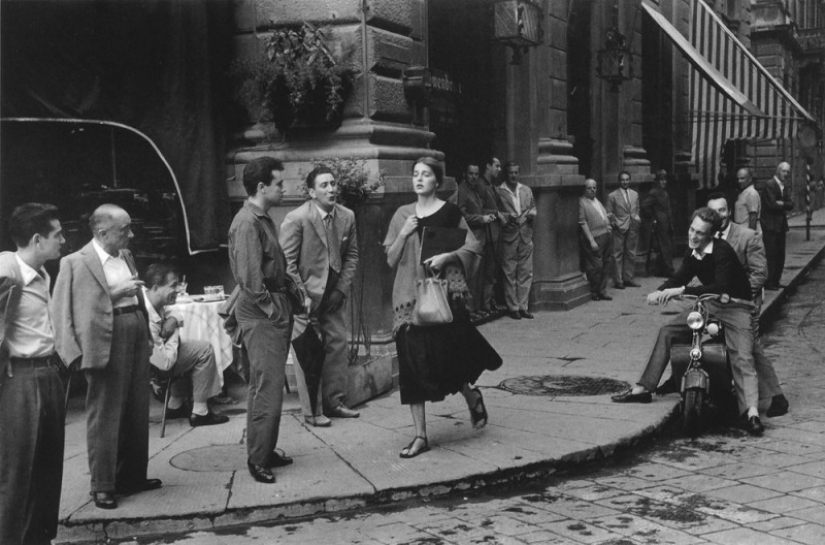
{"x": 276, "y": 459}
{"x": 618, "y": 286}
{"x": 209, "y": 419}
{"x": 668, "y": 387}
{"x": 630, "y": 397}
{"x": 525, "y": 314}
{"x": 319, "y": 421}
{"x": 752, "y": 424}
{"x": 632, "y": 284}
{"x": 260, "y": 474}
{"x": 105, "y": 500}
{"x": 175, "y": 414}
{"x": 779, "y": 406}
{"x": 594, "y": 296}
{"x": 342, "y": 412}
{"x": 605, "y": 297}
{"x": 514, "y": 315}
{"x": 143, "y": 486}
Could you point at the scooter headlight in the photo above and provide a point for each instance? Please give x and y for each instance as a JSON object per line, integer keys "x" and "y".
{"x": 695, "y": 321}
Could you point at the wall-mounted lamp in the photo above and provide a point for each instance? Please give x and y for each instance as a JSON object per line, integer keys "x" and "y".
{"x": 615, "y": 60}
{"x": 518, "y": 25}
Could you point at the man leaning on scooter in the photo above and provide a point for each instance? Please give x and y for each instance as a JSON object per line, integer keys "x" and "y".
{"x": 714, "y": 262}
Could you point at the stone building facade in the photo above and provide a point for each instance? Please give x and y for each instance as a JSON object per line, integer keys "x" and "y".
{"x": 552, "y": 113}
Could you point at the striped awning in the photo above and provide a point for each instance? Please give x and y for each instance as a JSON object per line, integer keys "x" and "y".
{"x": 735, "y": 98}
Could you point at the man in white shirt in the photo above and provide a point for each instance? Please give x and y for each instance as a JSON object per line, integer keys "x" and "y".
{"x": 518, "y": 210}
{"x": 99, "y": 318}
{"x": 173, "y": 355}
{"x": 748, "y": 207}
{"x": 31, "y": 393}
{"x": 595, "y": 241}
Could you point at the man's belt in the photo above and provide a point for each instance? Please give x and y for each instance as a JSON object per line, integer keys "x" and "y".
{"x": 125, "y": 310}
{"x": 16, "y": 363}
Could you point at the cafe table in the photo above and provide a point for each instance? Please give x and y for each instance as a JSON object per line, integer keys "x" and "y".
{"x": 201, "y": 321}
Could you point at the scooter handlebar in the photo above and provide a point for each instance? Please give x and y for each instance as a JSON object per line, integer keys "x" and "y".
{"x": 722, "y": 298}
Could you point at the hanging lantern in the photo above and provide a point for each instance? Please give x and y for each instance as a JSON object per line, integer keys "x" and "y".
{"x": 518, "y": 25}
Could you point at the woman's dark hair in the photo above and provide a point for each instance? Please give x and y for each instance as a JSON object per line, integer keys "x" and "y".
{"x": 435, "y": 166}
{"x": 29, "y": 219}
{"x": 259, "y": 171}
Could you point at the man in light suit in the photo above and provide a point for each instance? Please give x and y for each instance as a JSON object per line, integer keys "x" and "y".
{"x": 32, "y": 413}
{"x": 321, "y": 250}
{"x": 479, "y": 209}
{"x": 776, "y": 202}
{"x": 623, "y": 204}
{"x": 518, "y": 210}
{"x": 100, "y": 318}
{"x": 595, "y": 241}
{"x": 751, "y": 253}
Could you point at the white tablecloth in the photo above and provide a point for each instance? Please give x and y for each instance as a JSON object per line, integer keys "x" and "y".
{"x": 202, "y": 322}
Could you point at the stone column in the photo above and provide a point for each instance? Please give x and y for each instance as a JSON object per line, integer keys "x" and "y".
{"x": 379, "y": 39}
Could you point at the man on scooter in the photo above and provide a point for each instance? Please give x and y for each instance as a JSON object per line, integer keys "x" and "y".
{"x": 714, "y": 262}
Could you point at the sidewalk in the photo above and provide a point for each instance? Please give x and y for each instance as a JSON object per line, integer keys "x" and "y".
{"x": 355, "y": 463}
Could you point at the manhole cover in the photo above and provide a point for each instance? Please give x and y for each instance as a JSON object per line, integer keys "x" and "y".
{"x": 563, "y": 385}
{"x": 212, "y": 459}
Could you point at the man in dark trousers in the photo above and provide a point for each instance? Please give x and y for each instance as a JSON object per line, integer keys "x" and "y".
{"x": 776, "y": 202}
{"x": 31, "y": 393}
{"x": 656, "y": 209}
{"x": 715, "y": 263}
{"x": 321, "y": 249}
{"x": 479, "y": 208}
{"x": 261, "y": 308}
{"x": 100, "y": 318}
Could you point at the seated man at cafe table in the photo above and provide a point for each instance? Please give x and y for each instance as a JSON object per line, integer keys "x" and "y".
{"x": 173, "y": 355}
{"x": 714, "y": 262}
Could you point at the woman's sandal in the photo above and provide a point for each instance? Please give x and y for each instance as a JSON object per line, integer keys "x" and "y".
{"x": 478, "y": 418}
{"x": 407, "y": 452}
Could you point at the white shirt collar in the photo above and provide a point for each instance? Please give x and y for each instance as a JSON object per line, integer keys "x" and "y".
{"x": 154, "y": 317}
{"x": 708, "y": 250}
{"x": 507, "y": 188}
{"x": 325, "y": 214}
{"x": 26, "y": 271}
{"x": 103, "y": 254}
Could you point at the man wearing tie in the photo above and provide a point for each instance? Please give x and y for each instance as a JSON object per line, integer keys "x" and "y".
{"x": 100, "y": 316}
{"x": 776, "y": 201}
{"x": 321, "y": 249}
{"x": 623, "y": 204}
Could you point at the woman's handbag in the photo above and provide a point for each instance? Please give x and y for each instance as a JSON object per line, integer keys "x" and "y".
{"x": 432, "y": 306}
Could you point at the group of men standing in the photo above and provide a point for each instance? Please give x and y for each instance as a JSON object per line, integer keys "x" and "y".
{"x": 501, "y": 216}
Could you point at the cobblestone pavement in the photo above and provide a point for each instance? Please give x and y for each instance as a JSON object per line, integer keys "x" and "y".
{"x": 725, "y": 487}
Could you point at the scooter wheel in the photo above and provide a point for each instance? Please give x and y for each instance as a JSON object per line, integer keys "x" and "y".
{"x": 692, "y": 406}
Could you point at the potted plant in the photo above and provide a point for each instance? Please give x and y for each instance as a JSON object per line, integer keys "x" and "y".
{"x": 297, "y": 82}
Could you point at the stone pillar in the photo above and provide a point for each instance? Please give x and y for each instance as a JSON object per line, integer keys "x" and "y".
{"x": 379, "y": 38}
{"x": 536, "y": 137}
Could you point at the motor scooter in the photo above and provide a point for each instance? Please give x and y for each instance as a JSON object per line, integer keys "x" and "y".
{"x": 707, "y": 382}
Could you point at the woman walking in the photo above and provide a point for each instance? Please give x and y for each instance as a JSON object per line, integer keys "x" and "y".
{"x": 434, "y": 360}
